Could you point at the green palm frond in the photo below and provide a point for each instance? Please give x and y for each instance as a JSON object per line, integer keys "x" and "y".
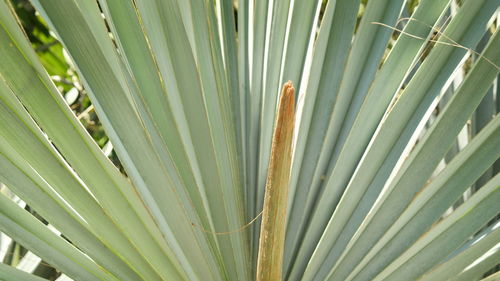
{"x": 394, "y": 172}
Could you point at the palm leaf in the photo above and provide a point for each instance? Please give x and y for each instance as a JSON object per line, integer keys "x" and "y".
{"x": 187, "y": 92}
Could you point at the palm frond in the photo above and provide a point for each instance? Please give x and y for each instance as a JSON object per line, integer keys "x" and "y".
{"x": 394, "y": 173}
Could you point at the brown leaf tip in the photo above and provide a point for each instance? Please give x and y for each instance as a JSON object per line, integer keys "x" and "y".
{"x": 286, "y": 112}
{"x": 287, "y": 100}
{"x": 288, "y": 89}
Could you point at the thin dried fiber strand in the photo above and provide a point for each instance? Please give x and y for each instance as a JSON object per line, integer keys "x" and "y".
{"x": 229, "y": 232}
{"x": 441, "y": 34}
